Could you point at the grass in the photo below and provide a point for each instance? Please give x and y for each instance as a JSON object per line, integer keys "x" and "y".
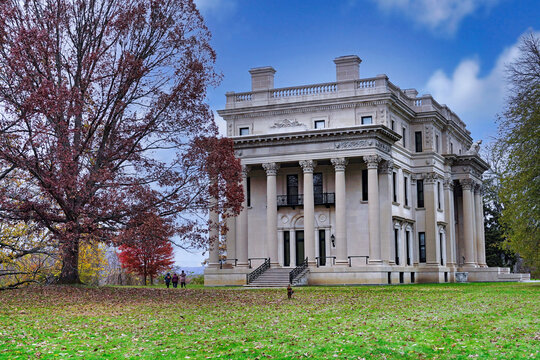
{"x": 439, "y": 321}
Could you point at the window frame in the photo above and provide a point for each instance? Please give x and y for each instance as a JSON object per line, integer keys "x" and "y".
{"x": 418, "y": 140}
{"x": 420, "y": 193}
{"x": 422, "y": 247}
{"x": 365, "y": 118}
{"x": 318, "y": 121}
{"x": 240, "y": 129}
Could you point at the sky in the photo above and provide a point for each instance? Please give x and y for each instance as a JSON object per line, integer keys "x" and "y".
{"x": 455, "y": 50}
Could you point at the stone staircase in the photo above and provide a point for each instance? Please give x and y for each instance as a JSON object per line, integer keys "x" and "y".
{"x": 273, "y": 277}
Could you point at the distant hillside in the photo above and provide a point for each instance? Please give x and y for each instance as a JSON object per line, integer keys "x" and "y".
{"x": 196, "y": 270}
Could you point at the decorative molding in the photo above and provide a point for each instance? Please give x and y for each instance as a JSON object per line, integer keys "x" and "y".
{"x": 287, "y": 123}
{"x": 307, "y": 165}
{"x": 359, "y": 144}
{"x": 271, "y": 168}
{"x": 431, "y": 177}
{"x": 478, "y": 188}
{"x": 339, "y": 163}
{"x": 448, "y": 184}
{"x": 372, "y": 161}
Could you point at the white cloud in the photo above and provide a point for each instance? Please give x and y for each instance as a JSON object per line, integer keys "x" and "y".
{"x": 217, "y": 8}
{"x": 437, "y": 15}
{"x": 221, "y": 124}
{"x": 476, "y": 99}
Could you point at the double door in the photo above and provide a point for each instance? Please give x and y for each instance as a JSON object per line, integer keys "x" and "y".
{"x": 298, "y": 247}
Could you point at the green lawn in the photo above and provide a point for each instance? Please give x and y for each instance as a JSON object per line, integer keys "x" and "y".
{"x": 461, "y": 321}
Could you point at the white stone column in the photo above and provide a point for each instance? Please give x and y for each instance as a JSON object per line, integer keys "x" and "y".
{"x": 341, "y": 220}
{"x": 271, "y": 212}
{"x": 468, "y": 232}
{"x": 309, "y": 211}
{"x": 213, "y": 235}
{"x": 231, "y": 240}
{"x": 385, "y": 206}
{"x": 479, "y": 214}
{"x": 448, "y": 186}
{"x": 242, "y": 225}
{"x": 372, "y": 162}
{"x": 430, "y": 205}
{"x": 292, "y": 237}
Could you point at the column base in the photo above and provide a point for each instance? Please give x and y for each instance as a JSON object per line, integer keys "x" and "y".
{"x": 375, "y": 262}
{"x": 342, "y": 263}
{"x": 470, "y": 265}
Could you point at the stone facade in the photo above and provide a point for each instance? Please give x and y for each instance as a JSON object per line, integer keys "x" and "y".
{"x": 370, "y": 183}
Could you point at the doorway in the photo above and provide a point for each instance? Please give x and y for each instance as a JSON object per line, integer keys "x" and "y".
{"x": 299, "y": 247}
{"x": 286, "y": 248}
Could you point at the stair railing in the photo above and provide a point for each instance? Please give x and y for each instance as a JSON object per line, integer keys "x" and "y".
{"x": 298, "y": 270}
{"x": 258, "y": 271}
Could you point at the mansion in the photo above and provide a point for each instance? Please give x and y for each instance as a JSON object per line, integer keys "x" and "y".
{"x": 352, "y": 182}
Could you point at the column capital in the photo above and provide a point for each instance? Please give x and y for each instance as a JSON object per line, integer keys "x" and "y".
{"x": 467, "y": 184}
{"x": 339, "y": 163}
{"x": 245, "y": 170}
{"x": 387, "y": 167}
{"x": 431, "y": 178}
{"x": 448, "y": 184}
{"x": 308, "y": 165}
{"x": 478, "y": 188}
{"x": 271, "y": 168}
{"x": 372, "y": 161}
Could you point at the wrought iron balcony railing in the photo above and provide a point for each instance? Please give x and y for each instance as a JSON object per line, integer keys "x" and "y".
{"x": 326, "y": 199}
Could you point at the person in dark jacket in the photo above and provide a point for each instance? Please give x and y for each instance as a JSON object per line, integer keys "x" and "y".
{"x": 183, "y": 279}
{"x": 168, "y": 280}
{"x": 174, "y": 281}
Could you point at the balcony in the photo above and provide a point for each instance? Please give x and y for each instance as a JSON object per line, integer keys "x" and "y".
{"x": 293, "y": 201}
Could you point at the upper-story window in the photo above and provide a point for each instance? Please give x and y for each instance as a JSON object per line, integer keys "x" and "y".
{"x": 437, "y": 143}
{"x": 451, "y": 148}
{"x": 418, "y": 141}
{"x": 319, "y": 124}
{"x": 404, "y": 136}
{"x": 244, "y": 131}
{"x": 420, "y": 193}
{"x": 392, "y": 125}
{"x": 364, "y": 185}
{"x": 394, "y": 187}
{"x": 366, "y": 120}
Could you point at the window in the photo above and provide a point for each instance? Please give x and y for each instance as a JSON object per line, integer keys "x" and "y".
{"x": 364, "y": 185}
{"x": 319, "y": 124}
{"x": 292, "y": 189}
{"x": 318, "y": 188}
{"x": 366, "y": 120}
{"x": 406, "y": 190}
{"x": 244, "y": 131}
{"x": 394, "y": 187}
{"x": 422, "y": 246}
{"x": 404, "y": 137}
{"x": 392, "y": 124}
{"x": 420, "y": 193}
{"x": 437, "y": 143}
{"x": 248, "y": 191}
{"x": 451, "y": 148}
{"x": 418, "y": 141}
{"x": 396, "y": 246}
{"x": 459, "y": 151}
{"x": 441, "y": 240}
{"x": 407, "y": 246}
{"x": 438, "y": 195}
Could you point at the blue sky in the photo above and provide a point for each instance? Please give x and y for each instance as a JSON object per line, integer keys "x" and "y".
{"x": 452, "y": 49}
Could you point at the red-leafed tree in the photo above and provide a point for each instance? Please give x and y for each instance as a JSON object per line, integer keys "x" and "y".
{"x": 146, "y": 249}
{"x": 102, "y": 118}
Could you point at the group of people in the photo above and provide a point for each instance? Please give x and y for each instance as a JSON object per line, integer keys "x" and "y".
{"x": 175, "y": 278}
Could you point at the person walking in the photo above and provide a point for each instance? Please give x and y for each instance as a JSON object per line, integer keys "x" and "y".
{"x": 182, "y": 279}
{"x": 168, "y": 280}
{"x": 175, "y": 281}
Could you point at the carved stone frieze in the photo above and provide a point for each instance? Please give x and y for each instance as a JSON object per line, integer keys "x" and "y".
{"x": 363, "y": 143}
{"x": 287, "y": 123}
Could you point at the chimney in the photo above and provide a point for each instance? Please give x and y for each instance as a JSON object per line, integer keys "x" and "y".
{"x": 347, "y": 68}
{"x": 262, "y": 78}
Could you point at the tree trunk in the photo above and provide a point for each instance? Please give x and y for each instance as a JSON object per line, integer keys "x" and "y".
{"x": 70, "y": 263}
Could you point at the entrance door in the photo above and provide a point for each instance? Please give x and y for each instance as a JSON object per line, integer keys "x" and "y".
{"x": 299, "y": 247}
{"x": 286, "y": 248}
{"x": 322, "y": 248}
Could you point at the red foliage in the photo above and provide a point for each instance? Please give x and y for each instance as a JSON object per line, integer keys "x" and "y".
{"x": 145, "y": 248}
{"x": 104, "y": 119}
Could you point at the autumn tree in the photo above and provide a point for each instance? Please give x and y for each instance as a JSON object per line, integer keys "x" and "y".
{"x": 102, "y": 114}
{"x": 146, "y": 249}
{"x": 519, "y": 136}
